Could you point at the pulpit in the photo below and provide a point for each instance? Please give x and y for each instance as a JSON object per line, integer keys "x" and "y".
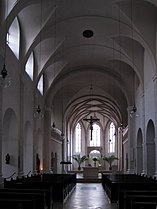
{"x": 90, "y": 172}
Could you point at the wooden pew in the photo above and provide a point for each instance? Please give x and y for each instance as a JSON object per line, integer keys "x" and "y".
{"x": 144, "y": 205}
{"x": 114, "y": 183}
{"x": 16, "y": 203}
{"x": 61, "y": 185}
{"x": 132, "y": 198}
{"x": 21, "y": 199}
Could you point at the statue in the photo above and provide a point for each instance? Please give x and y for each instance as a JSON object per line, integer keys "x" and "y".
{"x": 37, "y": 163}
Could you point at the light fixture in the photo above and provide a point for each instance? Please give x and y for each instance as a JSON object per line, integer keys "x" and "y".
{"x": 5, "y": 80}
{"x": 53, "y": 125}
{"x": 133, "y": 111}
{"x": 54, "y": 68}
{"x": 7, "y": 158}
{"x": 38, "y": 113}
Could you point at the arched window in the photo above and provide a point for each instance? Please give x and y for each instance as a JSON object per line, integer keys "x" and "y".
{"x": 40, "y": 85}
{"x": 13, "y": 37}
{"x": 111, "y": 138}
{"x": 95, "y": 136}
{"x": 30, "y": 66}
{"x": 78, "y": 138}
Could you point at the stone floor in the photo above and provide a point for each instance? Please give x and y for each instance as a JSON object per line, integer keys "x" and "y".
{"x": 87, "y": 196}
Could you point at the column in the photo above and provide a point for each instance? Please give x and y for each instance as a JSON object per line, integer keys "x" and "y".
{"x": 143, "y": 133}
{"x": 120, "y": 138}
{"x": 20, "y": 140}
{"x": 46, "y": 141}
{"x": 155, "y": 105}
{"x": 131, "y": 142}
{"x": 1, "y": 130}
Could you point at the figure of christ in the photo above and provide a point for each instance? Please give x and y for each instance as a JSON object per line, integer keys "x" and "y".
{"x": 91, "y": 121}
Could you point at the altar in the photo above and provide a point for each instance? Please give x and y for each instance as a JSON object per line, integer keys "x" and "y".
{"x": 90, "y": 172}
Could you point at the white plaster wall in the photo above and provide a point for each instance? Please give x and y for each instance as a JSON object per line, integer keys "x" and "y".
{"x": 148, "y": 89}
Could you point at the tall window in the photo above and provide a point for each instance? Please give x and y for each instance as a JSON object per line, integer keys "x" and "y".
{"x": 13, "y": 37}
{"x": 40, "y": 85}
{"x": 78, "y": 138}
{"x": 95, "y": 136}
{"x": 30, "y": 66}
{"x": 111, "y": 138}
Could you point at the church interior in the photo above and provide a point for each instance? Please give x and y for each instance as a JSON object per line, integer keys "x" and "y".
{"x": 78, "y": 86}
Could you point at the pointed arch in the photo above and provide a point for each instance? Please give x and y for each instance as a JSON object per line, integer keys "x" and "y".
{"x": 150, "y": 144}
{"x": 10, "y": 143}
{"x": 139, "y": 151}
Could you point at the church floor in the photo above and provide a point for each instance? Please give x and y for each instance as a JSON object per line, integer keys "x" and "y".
{"x": 87, "y": 196}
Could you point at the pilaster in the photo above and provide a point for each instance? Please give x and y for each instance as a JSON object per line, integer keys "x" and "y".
{"x": 155, "y": 109}
{"x": 131, "y": 142}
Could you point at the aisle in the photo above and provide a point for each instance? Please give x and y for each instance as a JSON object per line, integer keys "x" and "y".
{"x": 87, "y": 196}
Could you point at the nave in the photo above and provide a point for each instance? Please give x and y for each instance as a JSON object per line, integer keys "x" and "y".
{"x": 87, "y": 196}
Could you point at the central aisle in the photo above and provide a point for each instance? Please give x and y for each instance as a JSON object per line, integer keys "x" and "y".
{"x": 87, "y": 196}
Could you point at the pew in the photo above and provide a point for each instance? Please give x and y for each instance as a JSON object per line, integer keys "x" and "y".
{"x": 137, "y": 198}
{"x": 30, "y": 187}
{"x": 16, "y": 203}
{"x": 116, "y": 182}
{"x": 22, "y": 199}
{"x": 144, "y": 205}
{"x": 61, "y": 185}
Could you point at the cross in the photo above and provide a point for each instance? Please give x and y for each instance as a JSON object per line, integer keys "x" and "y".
{"x": 91, "y": 120}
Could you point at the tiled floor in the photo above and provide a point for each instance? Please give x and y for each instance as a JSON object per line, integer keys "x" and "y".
{"x": 87, "y": 196}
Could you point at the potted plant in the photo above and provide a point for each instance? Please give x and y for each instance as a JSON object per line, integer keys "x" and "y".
{"x": 79, "y": 160}
{"x": 95, "y": 159}
{"x": 110, "y": 159}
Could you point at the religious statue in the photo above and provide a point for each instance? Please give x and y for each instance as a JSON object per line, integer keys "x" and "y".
{"x": 91, "y": 121}
{"x": 37, "y": 163}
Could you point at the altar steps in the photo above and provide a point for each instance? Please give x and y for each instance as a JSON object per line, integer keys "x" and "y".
{"x": 81, "y": 179}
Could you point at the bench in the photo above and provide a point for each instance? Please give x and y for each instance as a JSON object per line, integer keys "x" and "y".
{"x": 61, "y": 185}
{"x": 113, "y": 184}
{"x": 125, "y": 196}
{"x": 20, "y": 199}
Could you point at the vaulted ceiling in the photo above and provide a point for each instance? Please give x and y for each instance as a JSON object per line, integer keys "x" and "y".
{"x": 79, "y": 44}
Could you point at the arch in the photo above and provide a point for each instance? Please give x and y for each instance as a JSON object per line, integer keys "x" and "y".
{"x": 10, "y": 143}
{"x": 139, "y": 151}
{"x": 95, "y": 153}
{"x": 14, "y": 37}
{"x": 150, "y": 147}
{"x": 29, "y": 67}
{"x": 28, "y": 148}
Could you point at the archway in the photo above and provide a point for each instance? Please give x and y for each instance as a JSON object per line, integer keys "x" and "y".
{"x": 94, "y": 152}
{"x": 10, "y": 143}
{"x": 139, "y": 152}
{"x": 150, "y": 146}
{"x": 28, "y": 148}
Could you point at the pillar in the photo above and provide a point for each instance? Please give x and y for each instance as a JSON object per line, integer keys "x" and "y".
{"x": 155, "y": 105}
{"x": 131, "y": 142}
{"x": 1, "y": 130}
{"x": 20, "y": 140}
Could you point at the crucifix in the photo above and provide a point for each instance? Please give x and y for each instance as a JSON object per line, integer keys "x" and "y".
{"x": 91, "y": 120}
